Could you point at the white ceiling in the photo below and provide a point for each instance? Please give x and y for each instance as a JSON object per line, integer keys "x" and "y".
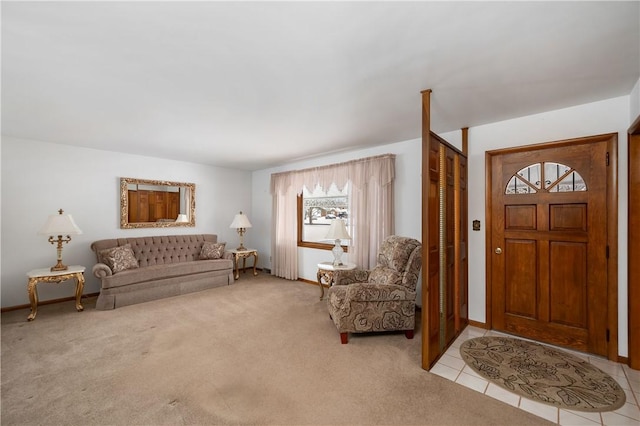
{"x": 259, "y": 84}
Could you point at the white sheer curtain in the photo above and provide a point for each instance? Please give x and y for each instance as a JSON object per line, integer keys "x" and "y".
{"x": 284, "y": 240}
{"x": 371, "y": 208}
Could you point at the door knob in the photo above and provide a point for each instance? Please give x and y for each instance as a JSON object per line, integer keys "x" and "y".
{"x": 498, "y": 250}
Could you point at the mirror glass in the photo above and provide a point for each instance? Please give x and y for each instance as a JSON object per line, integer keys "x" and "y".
{"x": 148, "y": 203}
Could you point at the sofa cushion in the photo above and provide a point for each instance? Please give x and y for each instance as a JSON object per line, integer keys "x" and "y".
{"x": 212, "y": 250}
{"x": 157, "y": 272}
{"x": 119, "y": 259}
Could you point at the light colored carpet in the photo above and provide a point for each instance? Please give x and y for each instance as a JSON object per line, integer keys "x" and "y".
{"x": 261, "y": 351}
{"x": 543, "y": 374}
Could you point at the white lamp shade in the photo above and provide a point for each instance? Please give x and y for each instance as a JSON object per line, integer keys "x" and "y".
{"x": 60, "y": 224}
{"x": 337, "y": 231}
{"x": 182, "y": 218}
{"x": 240, "y": 221}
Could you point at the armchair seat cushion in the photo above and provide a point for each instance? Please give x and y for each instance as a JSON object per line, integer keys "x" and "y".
{"x": 373, "y": 293}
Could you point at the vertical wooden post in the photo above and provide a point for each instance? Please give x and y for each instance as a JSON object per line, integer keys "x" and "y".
{"x": 465, "y": 141}
{"x": 426, "y": 147}
{"x": 633, "y": 241}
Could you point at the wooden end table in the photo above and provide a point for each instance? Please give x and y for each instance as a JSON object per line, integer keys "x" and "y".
{"x": 46, "y": 275}
{"x": 326, "y": 271}
{"x": 243, "y": 254}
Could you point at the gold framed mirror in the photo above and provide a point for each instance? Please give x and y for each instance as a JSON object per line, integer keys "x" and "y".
{"x": 146, "y": 203}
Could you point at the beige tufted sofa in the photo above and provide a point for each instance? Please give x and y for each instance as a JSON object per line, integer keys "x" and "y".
{"x": 166, "y": 266}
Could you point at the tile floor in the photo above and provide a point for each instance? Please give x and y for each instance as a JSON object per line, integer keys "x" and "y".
{"x": 452, "y": 367}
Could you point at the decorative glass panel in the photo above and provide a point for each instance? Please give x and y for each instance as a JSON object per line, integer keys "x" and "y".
{"x": 570, "y": 183}
{"x": 517, "y": 186}
{"x": 531, "y": 174}
{"x": 557, "y": 177}
{"x": 553, "y": 172}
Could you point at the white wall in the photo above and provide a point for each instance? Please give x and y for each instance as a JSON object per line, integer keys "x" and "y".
{"x": 38, "y": 178}
{"x": 408, "y": 200}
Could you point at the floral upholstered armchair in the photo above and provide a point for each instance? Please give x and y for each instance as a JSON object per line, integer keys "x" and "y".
{"x": 381, "y": 299}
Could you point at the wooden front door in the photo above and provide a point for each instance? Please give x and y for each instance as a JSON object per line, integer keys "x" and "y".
{"x": 549, "y": 243}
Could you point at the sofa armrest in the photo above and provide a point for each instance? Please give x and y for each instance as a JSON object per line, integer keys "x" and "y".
{"x": 100, "y": 270}
{"x": 227, "y": 255}
{"x": 350, "y": 277}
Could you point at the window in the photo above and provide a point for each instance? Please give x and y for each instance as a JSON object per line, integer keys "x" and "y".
{"x": 555, "y": 176}
{"x": 316, "y": 210}
{"x": 370, "y": 213}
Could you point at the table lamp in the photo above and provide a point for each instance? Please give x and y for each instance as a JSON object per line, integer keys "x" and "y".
{"x": 241, "y": 223}
{"x": 58, "y": 225}
{"x": 337, "y": 231}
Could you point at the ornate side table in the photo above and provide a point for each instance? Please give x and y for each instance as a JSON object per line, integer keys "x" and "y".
{"x": 46, "y": 275}
{"x": 243, "y": 254}
{"x": 326, "y": 271}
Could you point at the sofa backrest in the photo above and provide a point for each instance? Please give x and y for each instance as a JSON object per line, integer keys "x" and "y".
{"x": 159, "y": 250}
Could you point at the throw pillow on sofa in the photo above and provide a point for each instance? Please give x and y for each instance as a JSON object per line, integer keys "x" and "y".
{"x": 119, "y": 259}
{"x": 212, "y": 250}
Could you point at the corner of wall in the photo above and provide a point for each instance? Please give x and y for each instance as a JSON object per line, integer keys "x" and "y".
{"x": 634, "y": 102}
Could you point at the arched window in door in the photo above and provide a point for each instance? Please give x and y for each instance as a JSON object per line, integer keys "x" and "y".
{"x": 545, "y": 177}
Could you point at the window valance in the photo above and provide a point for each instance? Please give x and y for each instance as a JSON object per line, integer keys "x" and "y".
{"x": 380, "y": 169}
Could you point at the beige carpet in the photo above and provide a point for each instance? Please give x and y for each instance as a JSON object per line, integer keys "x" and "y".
{"x": 261, "y": 351}
{"x": 542, "y": 373}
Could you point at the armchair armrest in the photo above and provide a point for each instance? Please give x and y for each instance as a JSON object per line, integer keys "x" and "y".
{"x": 350, "y": 277}
{"x": 100, "y": 270}
{"x": 378, "y": 293}
{"x": 227, "y": 255}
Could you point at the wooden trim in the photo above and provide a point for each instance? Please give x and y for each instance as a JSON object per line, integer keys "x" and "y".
{"x": 488, "y": 226}
{"x": 612, "y": 242}
{"x": 299, "y": 201}
{"x": 633, "y": 245}
{"x": 634, "y": 129}
{"x": 320, "y": 246}
{"x": 426, "y": 144}
{"x": 478, "y": 324}
{"x": 554, "y": 144}
{"x": 47, "y": 302}
{"x": 457, "y": 259}
{"x": 306, "y": 281}
{"x": 465, "y": 141}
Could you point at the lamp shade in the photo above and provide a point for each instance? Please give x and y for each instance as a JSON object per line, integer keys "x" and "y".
{"x": 240, "y": 221}
{"x": 60, "y": 224}
{"x": 337, "y": 231}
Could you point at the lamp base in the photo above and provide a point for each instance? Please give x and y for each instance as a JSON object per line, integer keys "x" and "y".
{"x": 337, "y": 254}
{"x": 59, "y": 267}
{"x": 241, "y": 248}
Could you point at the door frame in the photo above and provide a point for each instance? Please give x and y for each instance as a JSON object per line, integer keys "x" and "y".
{"x": 612, "y": 227}
{"x": 633, "y": 247}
